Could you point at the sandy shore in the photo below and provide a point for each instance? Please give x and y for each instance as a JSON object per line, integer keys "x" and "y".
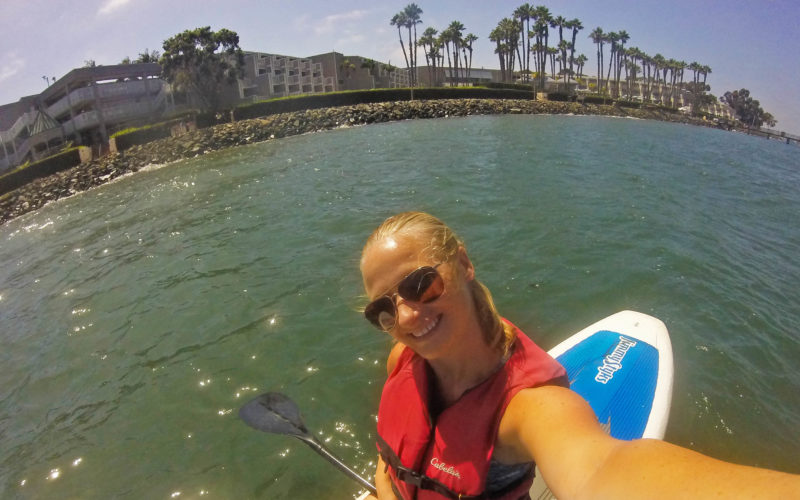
{"x": 80, "y": 178}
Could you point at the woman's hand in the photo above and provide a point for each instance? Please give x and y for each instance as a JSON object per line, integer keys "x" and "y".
{"x": 383, "y": 483}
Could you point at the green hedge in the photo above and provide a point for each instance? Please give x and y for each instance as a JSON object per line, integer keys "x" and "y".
{"x": 560, "y": 97}
{"x": 510, "y": 86}
{"x": 316, "y": 101}
{"x": 124, "y": 139}
{"x": 42, "y": 168}
{"x": 628, "y": 104}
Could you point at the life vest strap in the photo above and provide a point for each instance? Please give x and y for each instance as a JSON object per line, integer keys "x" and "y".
{"x": 416, "y": 479}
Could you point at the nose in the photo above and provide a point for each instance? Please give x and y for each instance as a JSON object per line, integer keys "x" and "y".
{"x": 407, "y": 312}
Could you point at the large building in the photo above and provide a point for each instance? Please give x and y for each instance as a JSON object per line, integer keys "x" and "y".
{"x": 272, "y": 75}
{"x": 83, "y": 108}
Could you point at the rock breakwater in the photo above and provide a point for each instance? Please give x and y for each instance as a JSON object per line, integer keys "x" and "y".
{"x": 85, "y": 176}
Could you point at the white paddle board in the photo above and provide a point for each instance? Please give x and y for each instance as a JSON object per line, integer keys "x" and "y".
{"x": 622, "y": 366}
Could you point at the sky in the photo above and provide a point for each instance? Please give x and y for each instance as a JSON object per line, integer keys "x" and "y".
{"x": 749, "y": 44}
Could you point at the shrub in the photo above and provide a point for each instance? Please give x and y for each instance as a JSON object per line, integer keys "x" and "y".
{"x": 38, "y": 169}
{"x": 511, "y": 86}
{"x": 628, "y": 104}
{"x": 560, "y": 96}
{"x": 128, "y": 137}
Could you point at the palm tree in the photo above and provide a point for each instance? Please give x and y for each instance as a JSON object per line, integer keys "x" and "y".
{"x": 612, "y": 38}
{"x": 455, "y": 32}
{"x": 412, "y": 12}
{"x": 496, "y": 36}
{"x": 622, "y": 39}
{"x": 506, "y": 38}
{"x": 575, "y": 25}
{"x": 647, "y": 62}
{"x": 560, "y": 22}
{"x": 705, "y": 70}
{"x": 580, "y": 61}
{"x": 428, "y": 43}
{"x": 401, "y": 20}
{"x": 598, "y": 37}
{"x": 635, "y": 55}
{"x": 552, "y": 52}
{"x": 524, "y": 14}
{"x": 543, "y": 19}
{"x": 468, "y": 40}
{"x": 658, "y": 64}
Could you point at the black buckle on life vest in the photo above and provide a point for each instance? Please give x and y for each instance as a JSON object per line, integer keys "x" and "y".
{"x": 416, "y": 479}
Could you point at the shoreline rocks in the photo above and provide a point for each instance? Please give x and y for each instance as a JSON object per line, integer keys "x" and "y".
{"x": 85, "y": 176}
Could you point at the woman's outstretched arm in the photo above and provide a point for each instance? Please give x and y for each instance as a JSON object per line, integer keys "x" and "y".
{"x": 557, "y": 428}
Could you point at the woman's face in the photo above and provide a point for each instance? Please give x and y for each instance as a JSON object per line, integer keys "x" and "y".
{"x": 430, "y": 329}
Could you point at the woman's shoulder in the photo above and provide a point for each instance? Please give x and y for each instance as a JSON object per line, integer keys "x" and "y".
{"x": 394, "y": 357}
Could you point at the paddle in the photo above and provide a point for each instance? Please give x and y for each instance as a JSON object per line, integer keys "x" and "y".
{"x": 275, "y": 413}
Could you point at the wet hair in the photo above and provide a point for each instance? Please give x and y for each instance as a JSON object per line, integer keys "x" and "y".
{"x": 442, "y": 244}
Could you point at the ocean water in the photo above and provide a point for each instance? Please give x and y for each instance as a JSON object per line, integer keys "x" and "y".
{"x": 139, "y": 316}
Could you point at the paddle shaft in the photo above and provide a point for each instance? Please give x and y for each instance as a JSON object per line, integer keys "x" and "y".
{"x": 320, "y": 448}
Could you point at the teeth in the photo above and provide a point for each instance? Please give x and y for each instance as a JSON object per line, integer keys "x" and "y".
{"x": 427, "y": 329}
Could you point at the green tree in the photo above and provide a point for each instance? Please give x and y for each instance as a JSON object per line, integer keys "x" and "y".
{"x": 347, "y": 68}
{"x": 200, "y": 62}
{"x": 148, "y": 56}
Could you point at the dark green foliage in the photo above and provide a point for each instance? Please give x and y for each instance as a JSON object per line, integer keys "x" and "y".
{"x": 596, "y": 99}
{"x": 560, "y": 97}
{"x": 42, "y": 168}
{"x": 628, "y": 104}
{"x": 201, "y": 62}
{"x": 124, "y": 139}
{"x": 512, "y": 86}
{"x": 747, "y": 110}
{"x": 283, "y": 105}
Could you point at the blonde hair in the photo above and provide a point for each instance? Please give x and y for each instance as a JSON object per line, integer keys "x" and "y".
{"x": 443, "y": 244}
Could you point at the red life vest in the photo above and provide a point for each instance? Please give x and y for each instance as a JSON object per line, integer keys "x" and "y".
{"x": 449, "y": 457}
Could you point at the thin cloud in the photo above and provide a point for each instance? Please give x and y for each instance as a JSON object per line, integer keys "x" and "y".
{"x": 111, "y": 6}
{"x": 13, "y": 64}
{"x": 335, "y": 22}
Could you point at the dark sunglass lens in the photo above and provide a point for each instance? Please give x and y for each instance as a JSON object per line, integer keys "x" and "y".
{"x": 423, "y": 285}
{"x": 380, "y": 312}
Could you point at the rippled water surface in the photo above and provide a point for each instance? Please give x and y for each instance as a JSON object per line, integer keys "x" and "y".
{"x": 138, "y": 317}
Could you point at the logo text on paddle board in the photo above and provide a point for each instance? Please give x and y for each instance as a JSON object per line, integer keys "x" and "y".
{"x": 613, "y": 361}
{"x": 447, "y": 469}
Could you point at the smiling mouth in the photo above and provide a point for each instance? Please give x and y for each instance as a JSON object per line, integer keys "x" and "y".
{"x": 430, "y": 326}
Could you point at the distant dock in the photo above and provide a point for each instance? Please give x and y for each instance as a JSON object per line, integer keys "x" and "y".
{"x": 773, "y": 134}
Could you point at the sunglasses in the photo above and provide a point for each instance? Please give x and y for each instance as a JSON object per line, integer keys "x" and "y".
{"x": 421, "y": 285}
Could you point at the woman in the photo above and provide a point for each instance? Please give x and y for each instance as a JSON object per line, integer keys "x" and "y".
{"x": 471, "y": 403}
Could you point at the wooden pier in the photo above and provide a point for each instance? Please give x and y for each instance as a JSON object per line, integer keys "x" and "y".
{"x": 773, "y": 134}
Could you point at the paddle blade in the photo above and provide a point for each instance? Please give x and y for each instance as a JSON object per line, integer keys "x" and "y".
{"x": 275, "y": 413}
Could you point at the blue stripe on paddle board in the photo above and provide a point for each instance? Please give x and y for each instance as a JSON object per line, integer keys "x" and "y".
{"x": 617, "y": 376}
